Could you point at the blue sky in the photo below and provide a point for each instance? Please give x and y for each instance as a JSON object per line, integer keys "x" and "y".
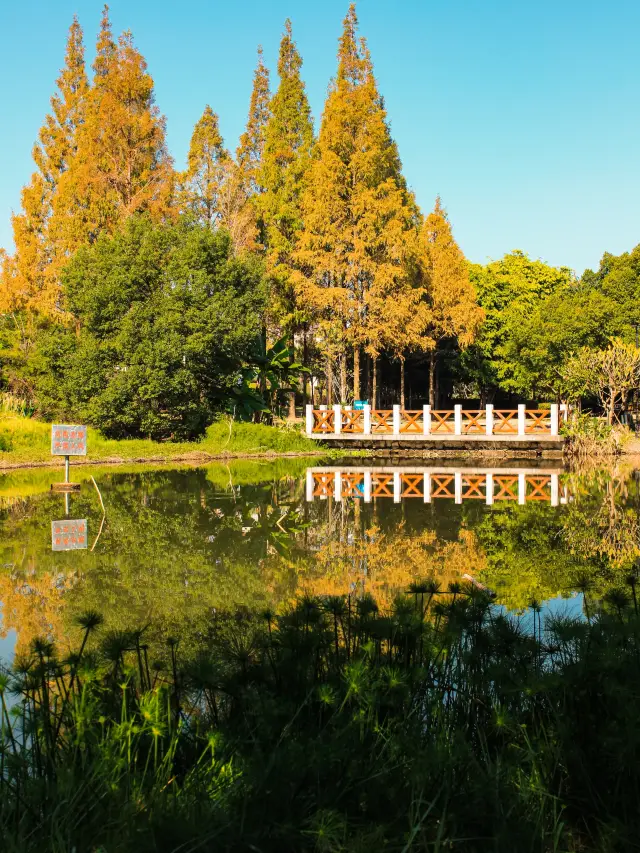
{"x": 522, "y": 114}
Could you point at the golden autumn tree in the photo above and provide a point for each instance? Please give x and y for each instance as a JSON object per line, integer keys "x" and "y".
{"x": 121, "y": 166}
{"x": 454, "y": 310}
{"x": 358, "y": 254}
{"x": 29, "y": 279}
{"x": 201, "y": 184}
{"x": 212, "y": 188}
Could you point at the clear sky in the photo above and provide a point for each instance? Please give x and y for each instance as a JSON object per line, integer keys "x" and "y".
{"x": 522, "y": 114}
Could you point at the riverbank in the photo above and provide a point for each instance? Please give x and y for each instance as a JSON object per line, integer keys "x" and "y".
{"x": 26, "y": 443}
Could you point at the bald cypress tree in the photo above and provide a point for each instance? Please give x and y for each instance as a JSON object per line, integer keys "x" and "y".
{"x": 212, "y": 188}
{"x": 358, "y": 258}
{"x": 250, "y": 150}
{"x": 201, "y": 184}
{"x": 454, "y": 310}
{"x": 30, "y": 278}
{"x": 288, "y": 142}
{"x": 121, "y": 165}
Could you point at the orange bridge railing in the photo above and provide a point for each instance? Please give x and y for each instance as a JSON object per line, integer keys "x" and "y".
{"x": 400, "y": 423}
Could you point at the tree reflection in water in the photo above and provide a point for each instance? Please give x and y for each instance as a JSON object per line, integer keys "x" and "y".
{"x": 181, "y": 545}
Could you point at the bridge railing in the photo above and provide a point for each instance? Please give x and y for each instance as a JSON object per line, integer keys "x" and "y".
{"x": 398, "y": 423}
{"x": 430, "y": 485}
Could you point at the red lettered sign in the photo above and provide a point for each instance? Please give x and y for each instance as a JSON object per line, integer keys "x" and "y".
{"x": 68, "y": 440}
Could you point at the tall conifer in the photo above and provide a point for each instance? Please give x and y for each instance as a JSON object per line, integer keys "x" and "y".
{"x": 206, "y": 170}
{"x": 288, "y": 143}
{"x": 358, "y": 253}
{"x": 251, "y": 147}
{"x": 454, "y": 310}
{"x": 212, "y": 187}
{"x": 31, "y": 275}
{"x": 121, "y": 166}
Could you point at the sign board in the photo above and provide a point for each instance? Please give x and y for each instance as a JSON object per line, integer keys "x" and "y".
{"x": 359, "y": 405}
{"x": 69, "y": 535}
{"x": 68, "y": 440}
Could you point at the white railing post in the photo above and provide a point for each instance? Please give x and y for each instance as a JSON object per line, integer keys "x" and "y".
{"x": 427, "y": 487}
{"x": 488, "y": 489}
{"x": 396, "y": 420}
{"x": 489, "y": 419}
{"x": 555, "y": 419}
{"x": 457, "y": 419}
{"x": 457, "y": 479}
{"x": 367, "y": 420}
{"x": 367, "y": 487}
{"x": 309, "y": 418}
{"x": 337, "y": 419}
{"x": 522, "y": 419}
{"x": 309, "y": 485}
{"x": 426, "y": 420}
{"x": 337, "y": 486}
{"x": 555, "y": 490}
{"x": 397, "y": 491}
{"x": 522, "y": 488}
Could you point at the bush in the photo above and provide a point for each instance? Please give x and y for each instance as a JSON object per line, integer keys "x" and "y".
{"x": 590, "y": 437}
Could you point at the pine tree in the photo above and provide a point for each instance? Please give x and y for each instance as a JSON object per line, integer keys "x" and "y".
{"x": 32, "y": 280}
{"x": 206, "y": 170}
{"x": 121, "y": 166}
{"x": 358, "y": 253}
{"x": 455, "y": 312}
{"x": 288, "y": 142}
{"x": 251, "y": 147}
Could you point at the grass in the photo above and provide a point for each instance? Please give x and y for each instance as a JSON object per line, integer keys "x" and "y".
{"x": 439, "y": 725}
{"x": 28, "y": 441}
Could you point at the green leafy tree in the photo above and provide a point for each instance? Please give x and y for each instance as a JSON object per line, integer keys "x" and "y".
{"x": 166, "y": 319}
{"x": 508, "y": 291}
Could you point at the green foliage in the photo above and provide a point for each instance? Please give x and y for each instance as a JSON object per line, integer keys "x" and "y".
{"x": 332, "y": 726}
{"x": 509, "y": 291}
{"x": 165, "y": 320}
{"x": 30, "y": 441}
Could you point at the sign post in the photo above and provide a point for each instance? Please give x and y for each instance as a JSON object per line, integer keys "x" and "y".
{"x": 68, "y": 440}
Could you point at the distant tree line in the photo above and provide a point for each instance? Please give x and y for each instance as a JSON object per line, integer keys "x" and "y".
{"x": 145, "y": 299}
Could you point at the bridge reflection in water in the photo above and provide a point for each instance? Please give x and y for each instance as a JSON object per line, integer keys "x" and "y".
{"x": 490, "y": 485}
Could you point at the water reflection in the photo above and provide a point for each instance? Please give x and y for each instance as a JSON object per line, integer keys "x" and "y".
{"x": 176, "y": 546}
{"x": 457, "y": 484}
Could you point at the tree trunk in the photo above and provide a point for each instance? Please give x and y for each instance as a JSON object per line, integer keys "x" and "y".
{"x": 329, "y": 376}
{"x": 356, "y": 372}
{"x": 432, "y": 379}
{"x": 343, "y": 378}
{"x": 368, "y": 368}
{"x": 402, "y": 383}
{"x": 374, "y": 393}
{"x": 305, "y": 363}
{"x": 292, "y": 394}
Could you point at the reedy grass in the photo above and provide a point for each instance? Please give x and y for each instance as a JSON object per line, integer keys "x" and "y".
{"x": 28, "y": 441}
{"x": 333, "y": 726}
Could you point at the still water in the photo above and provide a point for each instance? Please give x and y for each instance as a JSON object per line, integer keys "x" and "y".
{"x": 168, "y": 548}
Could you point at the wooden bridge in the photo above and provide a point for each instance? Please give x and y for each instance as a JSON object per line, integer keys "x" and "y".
{"x": 428, "y": 484}
{"x": 369, "y": 426}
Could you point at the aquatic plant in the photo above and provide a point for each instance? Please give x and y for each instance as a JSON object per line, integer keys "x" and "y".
{"x": 439, "y": 723}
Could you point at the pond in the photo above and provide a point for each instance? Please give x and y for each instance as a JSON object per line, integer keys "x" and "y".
{"x": 170, "y": 547}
